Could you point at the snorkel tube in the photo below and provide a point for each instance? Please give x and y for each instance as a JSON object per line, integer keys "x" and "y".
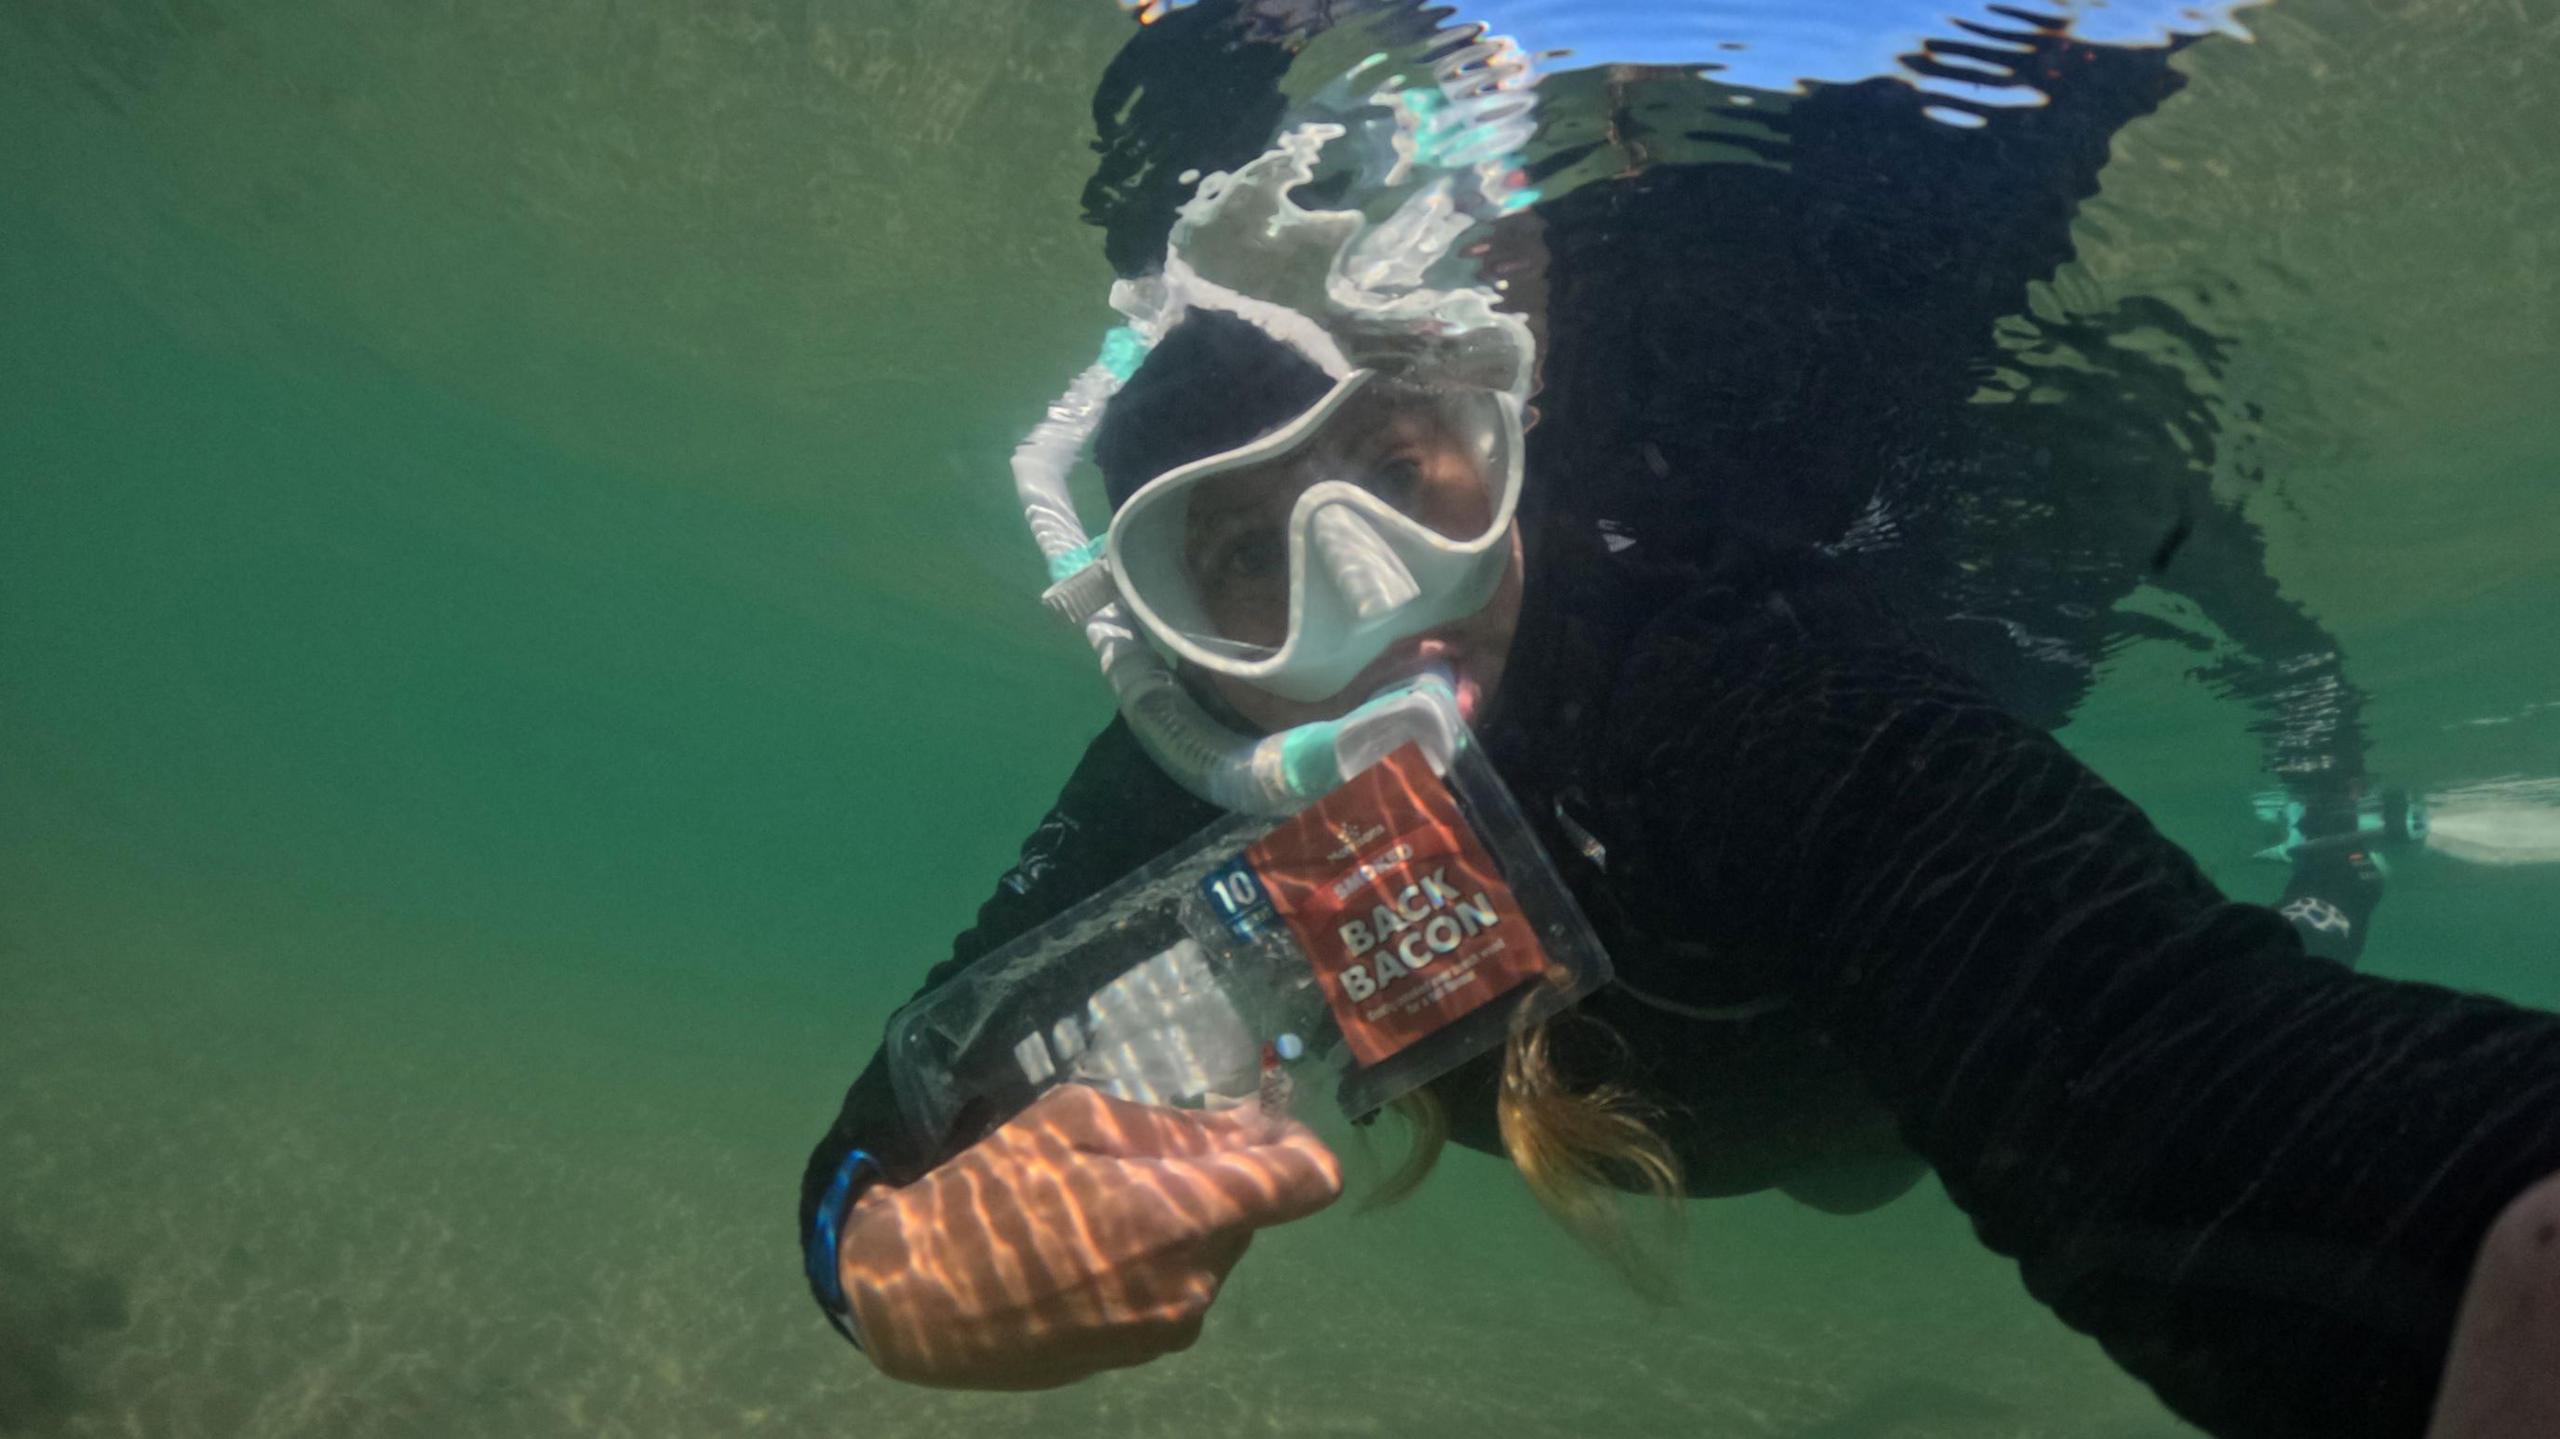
{"x": 1204, "y": 756}
{"x": 1450, "y": 149}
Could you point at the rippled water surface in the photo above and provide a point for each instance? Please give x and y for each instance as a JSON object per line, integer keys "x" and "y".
{"x": 513, "y": 654}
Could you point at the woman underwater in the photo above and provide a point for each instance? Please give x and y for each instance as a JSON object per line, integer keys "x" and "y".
{"x": 1861, "y": 913}
{"x": 1777, "y": 321}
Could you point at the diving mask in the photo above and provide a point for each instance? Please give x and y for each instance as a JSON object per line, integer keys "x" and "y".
{"x": 1293, "y": 562}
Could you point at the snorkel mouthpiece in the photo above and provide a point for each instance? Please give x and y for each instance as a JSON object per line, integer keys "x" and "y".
{"x": 1317, "y": 758}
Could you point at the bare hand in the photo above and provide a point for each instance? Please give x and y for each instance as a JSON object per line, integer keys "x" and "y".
{"x": 1088, "y": 1233}
{"x": 2503, "y": 1378}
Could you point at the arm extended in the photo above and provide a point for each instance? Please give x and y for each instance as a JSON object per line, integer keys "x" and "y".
{"x": 1116, "y": 811}
{"x": 2257, "y": 1179}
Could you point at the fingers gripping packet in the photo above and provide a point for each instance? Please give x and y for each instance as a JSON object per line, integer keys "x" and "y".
{"x": 1396, "y": 928}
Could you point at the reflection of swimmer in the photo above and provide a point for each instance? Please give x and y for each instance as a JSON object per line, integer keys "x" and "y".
{"x": 1860, "y": 914}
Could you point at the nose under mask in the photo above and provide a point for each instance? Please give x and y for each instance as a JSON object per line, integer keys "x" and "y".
{"x": 1362, "y": 565}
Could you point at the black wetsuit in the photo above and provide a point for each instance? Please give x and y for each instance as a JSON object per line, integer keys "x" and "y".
{"x": 1784, "y": 790}
{"x": 2257, "y": 1177}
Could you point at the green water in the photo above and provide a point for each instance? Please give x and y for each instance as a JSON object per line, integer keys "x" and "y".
{"x": 512, "y": 656}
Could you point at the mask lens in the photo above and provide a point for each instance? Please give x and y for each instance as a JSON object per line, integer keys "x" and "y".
{"x": 1430, "y": 455}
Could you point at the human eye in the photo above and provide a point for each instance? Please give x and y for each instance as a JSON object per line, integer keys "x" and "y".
{"x": 1394, "y": 478}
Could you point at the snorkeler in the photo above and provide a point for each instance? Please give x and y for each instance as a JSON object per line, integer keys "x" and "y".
{"x": 1788, "y": 340}
{"x": 1861, "y": 914}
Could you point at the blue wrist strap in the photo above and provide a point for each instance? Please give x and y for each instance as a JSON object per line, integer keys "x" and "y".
{"x": 825, "y": 1268}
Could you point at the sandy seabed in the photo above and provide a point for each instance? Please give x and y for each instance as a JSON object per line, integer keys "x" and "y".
{"x": 220, "y": 1216}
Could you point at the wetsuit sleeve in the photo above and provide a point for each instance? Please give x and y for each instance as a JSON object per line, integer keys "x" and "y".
{"x": 2290, "y": 666}
{"x": 2258, "y": 1179}
{"x": 1116, "y": 811}
{"x": 2310, "y": 716}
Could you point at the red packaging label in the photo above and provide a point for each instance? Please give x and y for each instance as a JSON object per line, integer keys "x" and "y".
{"x": 1403, "y": 914}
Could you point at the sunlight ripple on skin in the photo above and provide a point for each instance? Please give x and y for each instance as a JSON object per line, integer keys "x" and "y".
{"x": 1094, "y": 1221}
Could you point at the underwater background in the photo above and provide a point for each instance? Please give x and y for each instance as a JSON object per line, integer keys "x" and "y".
{"x": 516, "y": 651}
